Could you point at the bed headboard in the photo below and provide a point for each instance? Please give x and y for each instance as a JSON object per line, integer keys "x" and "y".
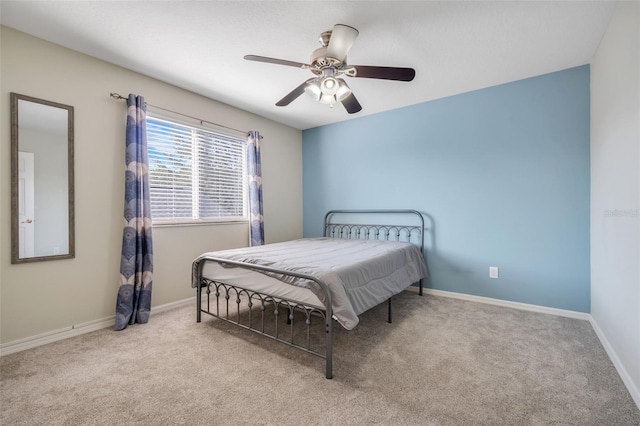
{"x": 392, "y": 225}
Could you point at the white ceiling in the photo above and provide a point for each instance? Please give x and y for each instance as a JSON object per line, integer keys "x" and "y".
{"x": 43, "y": 118}
{"x": 454, "y": 46}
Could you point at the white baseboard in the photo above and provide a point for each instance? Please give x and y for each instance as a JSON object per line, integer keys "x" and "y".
{"x": 77, "y": 330}
{"x": 507, "y": 304}
{"x": 613, "y": 356}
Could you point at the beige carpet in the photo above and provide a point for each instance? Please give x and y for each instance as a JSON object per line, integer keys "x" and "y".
{"x": 442, "y": 362}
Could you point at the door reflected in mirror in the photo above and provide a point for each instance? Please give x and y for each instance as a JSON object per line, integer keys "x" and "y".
{"x": 42, "y": 207}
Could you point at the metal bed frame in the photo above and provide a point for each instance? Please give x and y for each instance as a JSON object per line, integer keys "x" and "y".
{"x": 217, "y": 291}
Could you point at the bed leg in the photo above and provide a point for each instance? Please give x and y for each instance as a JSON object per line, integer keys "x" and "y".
{"x": 420, "y": 292}
{"x": 199, "y": 303}
{"x": 389, "y": 320}
{"x": 329, "y": 359}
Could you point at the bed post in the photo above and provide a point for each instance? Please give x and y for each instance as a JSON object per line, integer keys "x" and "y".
{"x": 328, "y": 323}
{"x": 199, "y": 290}
{"x": 199, "y": 302}
{"x": 421, "y": 243}
{"x": 329, "y": 353}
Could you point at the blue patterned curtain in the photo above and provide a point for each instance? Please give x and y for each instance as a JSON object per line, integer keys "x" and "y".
{"x": 136, "y": 265}
{"x": 256, "y": 219}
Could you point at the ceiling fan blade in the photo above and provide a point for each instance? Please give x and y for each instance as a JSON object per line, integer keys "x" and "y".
{"x": 276, "y": 61}
{"x": 351, "y": 104}
{"x": 383, "y": 73}
{"x": 342, "y": 38}
{"x": 293, "y": 95}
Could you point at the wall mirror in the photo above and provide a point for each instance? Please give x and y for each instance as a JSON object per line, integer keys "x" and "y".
{"x": 42, "y": 204}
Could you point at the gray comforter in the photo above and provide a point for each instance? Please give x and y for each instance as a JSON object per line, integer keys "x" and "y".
{"x": 360, "y": 273}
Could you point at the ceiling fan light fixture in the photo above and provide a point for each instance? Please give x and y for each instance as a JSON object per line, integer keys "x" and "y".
{"x": 329, "y": 85}
{"x": 327, "y": 90}
{"x": 313, "y": 89}
{"x": 343, "y": 90}
{"x": 328, "y": 99}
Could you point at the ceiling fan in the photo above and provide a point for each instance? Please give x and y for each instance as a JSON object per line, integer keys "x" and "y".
{"x": 328, "y": 63}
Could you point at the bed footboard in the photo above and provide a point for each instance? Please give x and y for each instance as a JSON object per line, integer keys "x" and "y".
{"x": 249, "y": 309}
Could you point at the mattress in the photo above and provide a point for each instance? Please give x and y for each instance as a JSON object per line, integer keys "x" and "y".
{"x": 359, "y": 273}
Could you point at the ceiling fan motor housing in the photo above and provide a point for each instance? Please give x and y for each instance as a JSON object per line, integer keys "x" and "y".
{"x": 320, "y": 61}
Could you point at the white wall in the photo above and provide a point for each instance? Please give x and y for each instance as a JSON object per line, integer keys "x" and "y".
{"x": 44, "y": 296}
{"x": 50, "y": 190}
{"x": 615, "y": 192}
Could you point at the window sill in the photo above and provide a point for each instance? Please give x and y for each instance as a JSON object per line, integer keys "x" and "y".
{"x": 199, "y": 223}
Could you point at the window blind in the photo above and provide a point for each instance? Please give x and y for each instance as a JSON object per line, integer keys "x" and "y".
{"x": 195, "y": 174}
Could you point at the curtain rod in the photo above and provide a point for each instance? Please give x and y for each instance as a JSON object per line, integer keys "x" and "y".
{"x": 119, "y": 97}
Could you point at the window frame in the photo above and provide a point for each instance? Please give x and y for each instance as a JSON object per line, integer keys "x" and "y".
{"x": 200, "y": 125}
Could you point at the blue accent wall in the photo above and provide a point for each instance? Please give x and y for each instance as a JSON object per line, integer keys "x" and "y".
{"x": 501, "y": 174}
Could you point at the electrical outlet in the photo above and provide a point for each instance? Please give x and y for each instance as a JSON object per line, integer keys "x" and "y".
{"x": 56, "y": 250}
{"x": 493, "y": 272}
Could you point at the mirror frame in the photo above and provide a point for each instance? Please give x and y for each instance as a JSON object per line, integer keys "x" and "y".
{"x": 15, "y": 97}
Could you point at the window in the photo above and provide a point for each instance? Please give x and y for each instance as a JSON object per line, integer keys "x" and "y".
{"x": 195, "y": 174}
